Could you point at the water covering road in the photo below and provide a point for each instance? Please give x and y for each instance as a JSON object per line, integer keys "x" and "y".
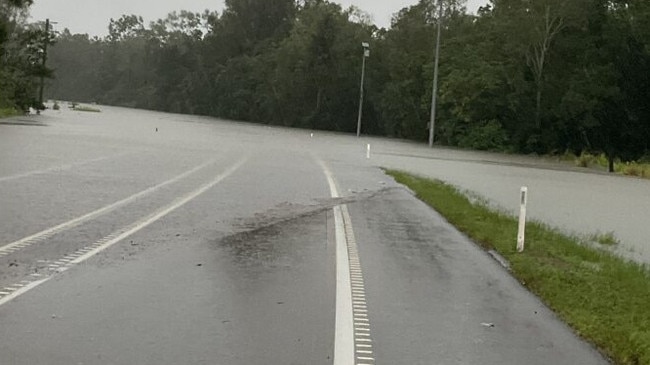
{"x": 133, "y": 237}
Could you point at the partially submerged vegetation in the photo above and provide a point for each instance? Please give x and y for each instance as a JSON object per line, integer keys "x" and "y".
{"x": 604, "y": 298}
{"x": 83, "y": 108}
{"x": 639, "y": 168}
{"x": 605, "y": 239}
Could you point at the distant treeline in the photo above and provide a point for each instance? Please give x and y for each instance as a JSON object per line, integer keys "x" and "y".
{"x": 525, "y": 76}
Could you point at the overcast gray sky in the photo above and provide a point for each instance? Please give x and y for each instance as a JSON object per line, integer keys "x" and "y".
{"x": 92, "y": 16}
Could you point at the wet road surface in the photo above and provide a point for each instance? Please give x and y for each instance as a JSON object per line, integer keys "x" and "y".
{"x": 223, "y": 243}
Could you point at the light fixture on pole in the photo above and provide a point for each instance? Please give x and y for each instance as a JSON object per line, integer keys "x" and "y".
{"x": 432, "y": 124}
{"x": 366, "y": 54}
{"x": 44, "y": 60}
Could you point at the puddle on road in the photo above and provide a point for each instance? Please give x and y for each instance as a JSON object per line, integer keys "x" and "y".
{"x": 277, "y": 237}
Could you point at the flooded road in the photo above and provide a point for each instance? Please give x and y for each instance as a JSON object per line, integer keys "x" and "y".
{"x": 134, "y": 237}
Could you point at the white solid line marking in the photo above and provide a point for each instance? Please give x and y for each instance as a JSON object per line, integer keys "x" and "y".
{"x": 343, "y": 342}
{"x": 11, "y": 247}
{"x": 343, "y": 333}
{"x": 22, "y": 290}
{"x": 133, "y": 229}
{"x": 353, "y": 292}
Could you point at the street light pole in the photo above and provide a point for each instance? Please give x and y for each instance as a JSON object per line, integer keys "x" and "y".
{"x": 47, "y": 40}
{"x": 432, "y": 124}
{"x": 366, "y": 54}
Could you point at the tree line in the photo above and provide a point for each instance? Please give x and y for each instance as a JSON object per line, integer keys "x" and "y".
{"x": 543, "y": 76}
{"x": 21, "y": 56}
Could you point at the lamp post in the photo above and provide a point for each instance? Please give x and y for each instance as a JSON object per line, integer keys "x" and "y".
{"x": 432, "y": 124}
{"x": 366, "y": 54}
{"x": 47, "y": 40}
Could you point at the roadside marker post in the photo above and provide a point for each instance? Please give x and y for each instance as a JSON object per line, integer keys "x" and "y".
{"x": 521, "y": 235}
{"x": 368, "y": 152}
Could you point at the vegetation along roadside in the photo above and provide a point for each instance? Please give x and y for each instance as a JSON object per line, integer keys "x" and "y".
{"x": 601, "y": 296}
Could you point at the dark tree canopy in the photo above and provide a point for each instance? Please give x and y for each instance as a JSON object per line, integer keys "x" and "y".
{"x": 21, "y": 55}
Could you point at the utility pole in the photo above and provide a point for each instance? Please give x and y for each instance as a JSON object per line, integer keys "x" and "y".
{"x": 366, "y": 54}
{"x": 47, "y": 40}
{"x": 432, "y": 124}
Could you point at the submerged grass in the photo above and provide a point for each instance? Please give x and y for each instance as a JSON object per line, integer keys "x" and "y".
{"x": 605, "y": 239}
{"x": 601, "y": 296}
{"x": 82, "y": 108}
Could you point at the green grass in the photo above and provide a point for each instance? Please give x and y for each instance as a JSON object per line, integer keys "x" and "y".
{"x": 8, "y": 112}
{"x": 82, "y": 108}
{"x": 604, "y": 298}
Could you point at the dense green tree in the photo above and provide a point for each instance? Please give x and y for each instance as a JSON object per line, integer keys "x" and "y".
{"x": 21, "y": 55}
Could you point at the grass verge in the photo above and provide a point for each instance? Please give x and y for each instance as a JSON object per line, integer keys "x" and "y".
{"x": 8, "y": 112}
{"x": 602, "y": 297}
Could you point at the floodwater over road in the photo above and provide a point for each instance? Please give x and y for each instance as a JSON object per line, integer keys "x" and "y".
{"x": 135, "y": 237}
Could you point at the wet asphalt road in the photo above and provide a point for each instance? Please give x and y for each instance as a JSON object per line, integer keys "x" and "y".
{"x": 216, "y": 243}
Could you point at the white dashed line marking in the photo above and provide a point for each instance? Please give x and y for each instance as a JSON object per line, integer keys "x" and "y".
{"x": 40, "y": 236}
{"x": 12, "y": 293}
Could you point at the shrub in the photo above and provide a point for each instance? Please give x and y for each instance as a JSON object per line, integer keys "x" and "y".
{"x": 633, "y": 169}
{"x": 585, "y": 160}
{"x": 487, "y": 136}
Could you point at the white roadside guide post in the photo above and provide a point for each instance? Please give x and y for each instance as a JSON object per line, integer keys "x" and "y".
{"x": 368, "y": 151}
{"x": 521, "y": 235}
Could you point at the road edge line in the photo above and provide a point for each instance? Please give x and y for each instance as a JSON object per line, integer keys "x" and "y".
{"x": 344, "y": 322}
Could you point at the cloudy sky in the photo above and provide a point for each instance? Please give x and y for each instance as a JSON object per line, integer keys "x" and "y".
{"x": 92, "y": 16}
